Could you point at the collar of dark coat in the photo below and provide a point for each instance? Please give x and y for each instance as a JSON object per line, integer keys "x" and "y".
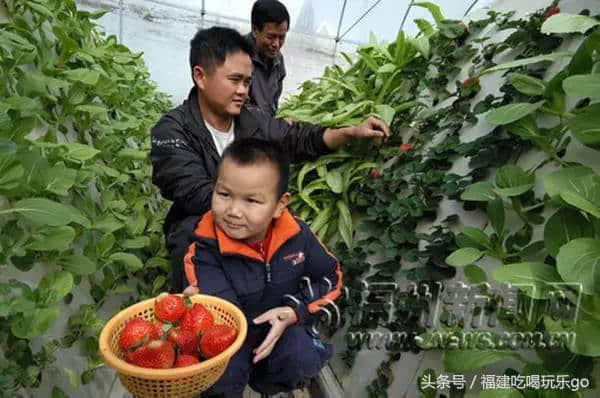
{"x": 257, "y": 60}
{"x": 284, "y": 228}
{"x": 246, "y": 123}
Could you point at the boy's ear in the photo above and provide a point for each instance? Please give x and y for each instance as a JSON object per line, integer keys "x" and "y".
{"x": 282, "y": 203}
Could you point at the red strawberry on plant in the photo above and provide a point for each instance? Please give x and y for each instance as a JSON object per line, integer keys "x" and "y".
{"x": 216, "y": 339}
{"x": 375, "y": 173}
{"x": 185, "y": 339}
{"x": 185, "y": 360}
{"x": 169, "y": 307}
{"x": 551, "y": 12}
{"x": 405, "y": 147}
{"x": 156, "y": 354}
{"x": 197, "y": 319}
{"x": 136, "y": 332}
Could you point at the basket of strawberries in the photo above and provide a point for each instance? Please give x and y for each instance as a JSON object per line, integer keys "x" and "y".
{"x": 171, "y": 346}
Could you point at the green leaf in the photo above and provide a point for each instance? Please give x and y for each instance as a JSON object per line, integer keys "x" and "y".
{"x": 533, "y": 278}
{"x": 473, "y": 237}
{"x": 83, "y": 75}
{"x": 511, "y": 180}
{"x": 77, "y": 264}
{"x": 495, "y": 211}
{"x": 565, "y": 225}
{"x": 132, "y": 154}
{"x": 512, "y": 112}
{"x": 335, "y": 181}
{"x": 136, "y": 243}
{"x": 474, "y": 274}
{"x": 131, "y": 262}
{"x": 479, "y": 192}
{"x": 108, "y": 224}
{"x": 18, "y": 103}
{"x": 584, "y": 193}
{"x": 345, "y": 223}
{"x": 526, "y": 84}
{"x": 34, "y": 323}
{"x": 52, "y": 238}
{"x": 568, "y": 23}
{"x": 587, "y": 338}
{"x": 425, "y": 27}
{"x": 74, "y": 379}
{"x": 583, "y": 85}
{"x": 560, "y": 180}
{"x": 58, "y": 179}
{"x": 58, "y": 393}
{"x": 528, "y": 61}
{"x": 40, "y": 9}
{"x": 433, "y": 9}
{"x": 7, "y": 147}
{"x": 54, "y": 286}
{"x": 471, "y": 360}
{"x": 41, "y": 211}
{"x": 80, "y": 152}
{"x": 578, "y": 261}
{"x": 586, "y": 126}
{"x": 385, "y": 113}
{"x": 92, "y": 109}
{"x": 464, "y": 256}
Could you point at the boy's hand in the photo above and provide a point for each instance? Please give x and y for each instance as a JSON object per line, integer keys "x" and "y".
{"x": 191, "y": 291}
{"x": 279, "y": 318}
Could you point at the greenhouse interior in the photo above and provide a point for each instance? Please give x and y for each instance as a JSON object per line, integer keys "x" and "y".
{"x": 438, "y": 234}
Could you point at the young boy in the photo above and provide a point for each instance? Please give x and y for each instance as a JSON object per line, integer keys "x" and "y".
{"x": 252, "y": 252}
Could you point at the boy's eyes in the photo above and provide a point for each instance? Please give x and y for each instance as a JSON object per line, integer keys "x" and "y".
{"x": 222, "y": 194}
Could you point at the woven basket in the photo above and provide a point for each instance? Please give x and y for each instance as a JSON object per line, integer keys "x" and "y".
{"x": 177, "y": 382}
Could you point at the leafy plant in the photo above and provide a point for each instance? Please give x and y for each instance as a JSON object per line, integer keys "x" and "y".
{"x": 76, "y": 200}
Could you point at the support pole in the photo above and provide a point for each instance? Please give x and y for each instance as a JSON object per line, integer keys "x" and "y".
{"x": 406, "y": 14}
{"x": 470, "y": 7}
{"x": 120, "y": 21}
{"x": 202, "y": 14}
{"x": 337, "y": 35}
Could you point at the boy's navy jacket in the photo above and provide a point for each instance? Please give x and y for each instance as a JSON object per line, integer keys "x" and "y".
{"x": 298, "y": 270}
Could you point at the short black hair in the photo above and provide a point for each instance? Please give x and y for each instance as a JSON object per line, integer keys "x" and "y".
{"x": 251, "y": 151}
{"x": 210, "y": 47}
{"x": 264, "y": 11}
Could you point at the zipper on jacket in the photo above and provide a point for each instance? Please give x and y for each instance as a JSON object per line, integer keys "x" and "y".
{"x": 268, "y": 266}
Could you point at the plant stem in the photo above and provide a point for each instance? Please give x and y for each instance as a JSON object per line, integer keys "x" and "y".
{"x": 533, "y": 207}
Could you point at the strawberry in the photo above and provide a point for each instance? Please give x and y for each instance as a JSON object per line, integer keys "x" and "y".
{"x": 551, "y": 12}
{"x": 375, "y": 173}
{"x": 185, "y": 339}
{"x": 216, "y": 339}
{"x": 197, "y": 319}
{"x": 185, "y": 360}
{"x": 136, "y": 332}
{"x": 169, "y": 307}
{"x": 156, "y": 354}
{"x": 160, "y": 329}
{"x": 405, "y": 147}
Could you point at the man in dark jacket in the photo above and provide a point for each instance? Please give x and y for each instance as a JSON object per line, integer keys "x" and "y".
{"x": 188, "y": 141}
{"x": 270, "y": 22}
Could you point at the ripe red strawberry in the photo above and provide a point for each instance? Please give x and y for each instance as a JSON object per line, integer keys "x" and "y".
{"x": 216, "y": 339}
{"x": 185, "y": 360}
{"x": 551, "y": 12}
{"x": 405, "y": 147}
{"x": 169, "y": 307}
{"x": 197, "y": 319}
{"x": 185, "y": 339}
{"x": 160, "y": 331}
{"x": 136, "y": 332}
{"x": 156, "y": 354}
{"x": 375, "y": 173}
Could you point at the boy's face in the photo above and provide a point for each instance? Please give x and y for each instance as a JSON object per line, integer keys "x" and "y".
{"x": 245, "y": 200}
{"x": 226, "y": 88}
{"x": 271, "y": 38}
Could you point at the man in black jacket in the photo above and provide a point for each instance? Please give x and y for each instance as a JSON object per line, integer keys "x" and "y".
{"x": 188, "y": 141}
{"x": 270, "y": 22}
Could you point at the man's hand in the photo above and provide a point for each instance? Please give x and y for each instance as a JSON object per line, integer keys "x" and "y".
{"x": 370, "y": 128}
{"x": 279, "y": 318}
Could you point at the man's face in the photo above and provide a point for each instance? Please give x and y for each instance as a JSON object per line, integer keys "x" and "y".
{"x": 244, "y": 200}
{"x": 270, "y": 39}
{"x": 225, "y": 88}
